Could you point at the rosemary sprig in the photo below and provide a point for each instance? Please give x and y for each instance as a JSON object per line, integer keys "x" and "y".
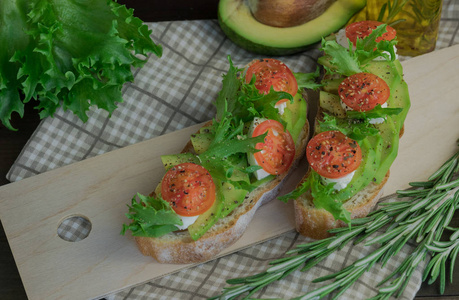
{"x": 422, "y": 217}
{"x": 392, "y": 8}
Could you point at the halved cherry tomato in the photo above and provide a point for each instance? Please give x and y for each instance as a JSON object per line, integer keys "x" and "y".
{"x": 363, "y": 91}
{"x": 333, "y": 155}
{"x": 272, "y": 72}
{"x": 364, "y": 28}
{"x": 277, "y": 151}
{"x": 189, "y": 189}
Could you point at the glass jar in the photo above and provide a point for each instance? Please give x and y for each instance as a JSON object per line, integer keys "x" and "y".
{"x": 416, "y": 22}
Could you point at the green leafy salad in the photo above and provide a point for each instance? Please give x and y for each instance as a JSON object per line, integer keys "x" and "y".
{"x": 378, "y": 141}
{"x": 69, "y": 53}
{"x": 221, "y": 148}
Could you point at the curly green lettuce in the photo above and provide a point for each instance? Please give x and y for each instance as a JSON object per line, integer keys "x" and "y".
{"x": 69, "y": 53}
{"x": 151, "y": 216}
{"x": 352, "y": 60}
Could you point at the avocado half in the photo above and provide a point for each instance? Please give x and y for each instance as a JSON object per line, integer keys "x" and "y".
{"x": 238, "y": 23}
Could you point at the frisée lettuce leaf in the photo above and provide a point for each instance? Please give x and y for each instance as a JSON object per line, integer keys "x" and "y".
{"x": 69, "y": 53}
{"x": 322, "y": 195}
{"x": 151, "y": 216}
{"x": 352, "y": 60}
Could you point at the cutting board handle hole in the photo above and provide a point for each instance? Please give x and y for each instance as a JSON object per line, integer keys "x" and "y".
{"x": 74, "y": 228}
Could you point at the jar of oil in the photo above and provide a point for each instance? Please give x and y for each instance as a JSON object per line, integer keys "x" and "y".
{"x": 416, "y": 22}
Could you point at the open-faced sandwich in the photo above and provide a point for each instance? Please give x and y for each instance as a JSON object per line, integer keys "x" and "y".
{"x": 363, "y": 104}
{"x": 237, "y": 161}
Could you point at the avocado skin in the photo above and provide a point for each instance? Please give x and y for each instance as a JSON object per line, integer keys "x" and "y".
{"x": 302, "y": 36}
{"x": 258, "y": 48}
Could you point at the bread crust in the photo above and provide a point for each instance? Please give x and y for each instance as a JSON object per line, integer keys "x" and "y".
{"x": 315, "y": 223}
{"x": 179, "y": 248}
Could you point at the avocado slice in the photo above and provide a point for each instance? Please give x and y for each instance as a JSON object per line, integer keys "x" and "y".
{"x": 238, "y": 23}
{"x": 331, "y": 104}
{"x": 174, "y": 159}
{"x": 295, "y": 115}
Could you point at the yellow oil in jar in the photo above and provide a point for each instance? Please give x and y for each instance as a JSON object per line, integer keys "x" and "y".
{"x": 416, "y": 22}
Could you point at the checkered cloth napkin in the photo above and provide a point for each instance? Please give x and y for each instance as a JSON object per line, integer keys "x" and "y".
{"x": 174, "y": 92}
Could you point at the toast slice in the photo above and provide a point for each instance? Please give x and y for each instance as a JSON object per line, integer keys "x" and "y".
{"x": 179, "y": 248}
{"x": 315, "y": 223}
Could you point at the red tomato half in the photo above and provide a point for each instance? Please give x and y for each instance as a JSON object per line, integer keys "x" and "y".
{"x": 364, "y": 28}
{"x": 363, "y": 91}
{"x": 277, "y": 151}
{"x": 333, "y": 155}
{"x": 272, "y": 72}
{"x": 189, "y": 189}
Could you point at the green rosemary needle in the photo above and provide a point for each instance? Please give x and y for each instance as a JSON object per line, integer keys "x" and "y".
{"x": 422, "y": 218}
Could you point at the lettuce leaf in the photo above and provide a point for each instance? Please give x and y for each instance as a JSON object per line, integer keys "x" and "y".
{"x": 308, "y": 80}
{"x": 151, "y": 217}
{"x": 377, "y": 112}
{"x": 352, "y": 60}
{"x": 342, "y": 60}
{"x": 323, "y": 197}
{"x": 229, "y": 140}
{"x": 12, "y": 36}
{"x": 226, "y": 100}
{"x": 68, "y": 53}
{"x": 357, "y": 130}
{"x": 367, "y": 49}
{"x": 243, "y": 101}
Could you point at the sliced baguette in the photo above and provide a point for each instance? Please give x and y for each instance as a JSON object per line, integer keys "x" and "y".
{"x": 179, "y": 248}
{"x": 315, "y": 223}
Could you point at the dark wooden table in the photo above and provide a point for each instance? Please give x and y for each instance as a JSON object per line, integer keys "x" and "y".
{"x": 11, "y": 143}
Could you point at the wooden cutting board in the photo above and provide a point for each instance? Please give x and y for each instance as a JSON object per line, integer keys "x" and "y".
{"x": 99, "y": 188}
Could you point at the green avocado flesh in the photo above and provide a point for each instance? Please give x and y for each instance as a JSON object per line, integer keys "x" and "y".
{"x": 380, "y": 151}
{"x": 295, "y": 116}
{"x": 363, "y": 175}
{"x": 228, "y": 196}
{"x": 243, "y": 29}
{"x": 172, "y": 160}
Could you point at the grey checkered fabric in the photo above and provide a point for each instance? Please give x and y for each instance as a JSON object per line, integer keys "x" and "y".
{"x": 174, "y": 92}
{"x": 74, "y": 229}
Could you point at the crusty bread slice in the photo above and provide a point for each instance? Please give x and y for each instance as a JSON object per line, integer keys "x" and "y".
{"x": 315, "y": 223}
{"x": 179, "y": 248}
